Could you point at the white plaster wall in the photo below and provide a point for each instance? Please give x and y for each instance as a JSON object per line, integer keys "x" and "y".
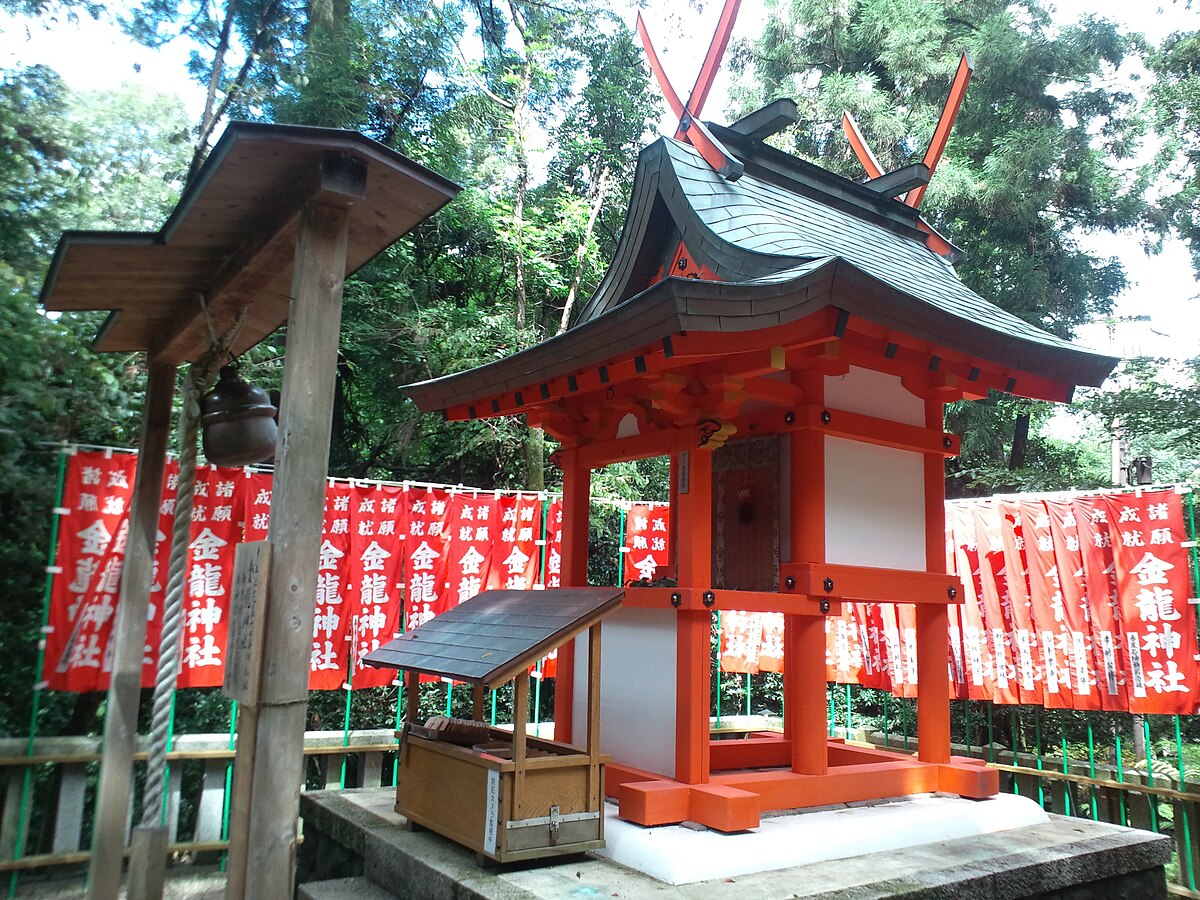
{"x": 637, "y": 689}
{"x": 874, "y": 506}
{"x": 874, "y": 393}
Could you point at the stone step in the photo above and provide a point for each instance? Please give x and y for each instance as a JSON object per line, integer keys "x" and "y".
{"x": 343, "y": 889}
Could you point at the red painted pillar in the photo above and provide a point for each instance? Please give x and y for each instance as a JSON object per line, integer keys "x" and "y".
{"x": 577, "y": 487}
{"x": 693, "y": 627}
{"x": 804, "y": 636}
{"x": 933, "y": 646}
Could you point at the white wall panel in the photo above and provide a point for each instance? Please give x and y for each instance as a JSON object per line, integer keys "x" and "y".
{"x": 637, "y": 689}
{"x": 874, "y": 506}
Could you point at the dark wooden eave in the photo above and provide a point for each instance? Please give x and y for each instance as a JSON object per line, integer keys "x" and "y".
{"x": 229, "y": 244}
{"x": 495, "y": 635}
{"x": 680, "y": 306}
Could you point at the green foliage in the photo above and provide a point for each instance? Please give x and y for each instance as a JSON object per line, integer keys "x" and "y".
{"x": 110, "y": 160}
{"x": 1175, "y": 105}
{"x": 1036, "y": 154}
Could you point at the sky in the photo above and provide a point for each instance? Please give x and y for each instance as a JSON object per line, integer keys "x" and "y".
{"x": 95, "y": 55}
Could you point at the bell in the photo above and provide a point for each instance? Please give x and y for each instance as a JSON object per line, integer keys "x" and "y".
{"x": 238, "y": 422}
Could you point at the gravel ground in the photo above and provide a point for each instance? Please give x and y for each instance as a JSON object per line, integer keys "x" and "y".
{"x": 183, "y": 883}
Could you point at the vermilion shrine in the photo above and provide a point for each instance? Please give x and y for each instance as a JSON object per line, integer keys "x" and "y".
{"x": 789, "y": 338}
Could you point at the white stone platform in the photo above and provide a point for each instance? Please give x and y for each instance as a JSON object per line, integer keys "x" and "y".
{"x": 678, "y": 854}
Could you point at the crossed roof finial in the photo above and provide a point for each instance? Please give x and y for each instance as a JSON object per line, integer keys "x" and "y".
{"x": 937, "y": 144}
{"x": 691, "y": 129}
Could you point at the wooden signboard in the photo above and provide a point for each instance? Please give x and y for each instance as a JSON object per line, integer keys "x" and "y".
{"x": 247, "y": 605}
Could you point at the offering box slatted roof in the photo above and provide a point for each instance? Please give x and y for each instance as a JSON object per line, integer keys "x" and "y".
{"x": 497, "y": 634}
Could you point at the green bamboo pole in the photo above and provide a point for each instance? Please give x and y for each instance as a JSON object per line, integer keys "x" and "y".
{"x": 399, "y": 717}
{"x": 449, "y": 696}
{"x": 1092, "y": 770}
{"x": 849, "y": 714}
{"x": 233, "y": 714}
{"x": 493, "y": 706}
{"x": 1067, "y": 804}
{"x": 36, "y": 704}
{"x": 1120, "y": 775}
{"x": 904, "y": 718}
{"x": 1187, "y": 831}
{"x": 346, "y": 717}
{"x": 1150, "y": 772}
{"x": 166, "y": 790}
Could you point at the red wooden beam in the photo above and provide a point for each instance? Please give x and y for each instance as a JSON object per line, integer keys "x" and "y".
{"x": 941, "y": 134}
{"x": 691, "y": 128}
{"x": 859, "y": 145}
{"x": 712, "y": 60}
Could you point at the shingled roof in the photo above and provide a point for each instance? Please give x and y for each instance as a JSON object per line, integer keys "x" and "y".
{"x": 786, "y": 239}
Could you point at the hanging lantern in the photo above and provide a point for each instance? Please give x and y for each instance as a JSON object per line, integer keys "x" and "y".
{"x": 238, "y": 421}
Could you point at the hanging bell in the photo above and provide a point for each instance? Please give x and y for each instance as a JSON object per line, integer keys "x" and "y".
{"x": 238, "y": 421}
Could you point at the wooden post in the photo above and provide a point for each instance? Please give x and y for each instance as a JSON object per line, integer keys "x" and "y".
{"x": 694, "y": 627}
{"x": 129, "y": 639}
{"x": 297, "y": 500}
{"x": 412, "y": 697}
{"x": 804, "y": 636}
{"x": 577, "y": 491}
{"x": 477, "y": 694}
{"x": 933, "y": 647}
{"x": 239, "y": 801}
{"x": 520, "y": 717}
{"x": 594, "y": 788}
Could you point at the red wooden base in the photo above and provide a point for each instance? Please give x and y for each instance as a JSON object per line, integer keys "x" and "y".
{"x": 751, "y": 776}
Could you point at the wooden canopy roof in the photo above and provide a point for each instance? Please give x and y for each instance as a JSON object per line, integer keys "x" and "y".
{"x": 788, "y": 247}
{"x": 229, "y": 243}
{"x": 497, "y": 634}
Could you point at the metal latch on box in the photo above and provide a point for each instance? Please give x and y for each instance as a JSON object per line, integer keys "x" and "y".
{"x": 553, "y": 822}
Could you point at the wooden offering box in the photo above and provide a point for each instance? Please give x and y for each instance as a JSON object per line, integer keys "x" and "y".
{"x": 508, "y": 796}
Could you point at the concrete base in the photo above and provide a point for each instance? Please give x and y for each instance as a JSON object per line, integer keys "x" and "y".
{"x": 356, "y": 833}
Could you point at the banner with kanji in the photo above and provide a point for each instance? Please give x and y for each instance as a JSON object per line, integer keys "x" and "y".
{"x": 647, "y": 540}
{"x": 1079, "y": 601}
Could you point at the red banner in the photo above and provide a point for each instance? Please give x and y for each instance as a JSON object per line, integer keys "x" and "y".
{"x": 646, "y": 546}
{"x": 1100, "y": 587}
{"x": 1153, "y": 592}
{"x": 1048, "y": 607}
{"x": 516, "y": 557}
{"x": 329, "y": 663}
{"x": 96, "y": 492}
{"x": 979, "y": 668}
{"x": 218, "y": 508}
{"x": 377, "y": 522}
{"x": 425, "y": 564}
{"x": 1069, "y": 569}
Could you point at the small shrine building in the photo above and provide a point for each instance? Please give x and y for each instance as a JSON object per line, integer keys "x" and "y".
{"x": 789, "y": 338}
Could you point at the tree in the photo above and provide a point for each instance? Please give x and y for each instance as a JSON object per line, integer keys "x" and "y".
{"x": 1175, "y": 104}
{"x": 1039, "y": 155}
{"x": 106, "y": 160}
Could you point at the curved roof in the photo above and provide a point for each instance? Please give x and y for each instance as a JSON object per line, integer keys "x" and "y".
{"x": 229, "y": 243}
{"x": 786, "y": 239}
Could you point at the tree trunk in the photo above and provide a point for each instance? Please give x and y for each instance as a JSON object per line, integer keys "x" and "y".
{"x": 1020, "y": 442}
{"x": 535, "y": 460}
{"x": 599, "y": 195}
